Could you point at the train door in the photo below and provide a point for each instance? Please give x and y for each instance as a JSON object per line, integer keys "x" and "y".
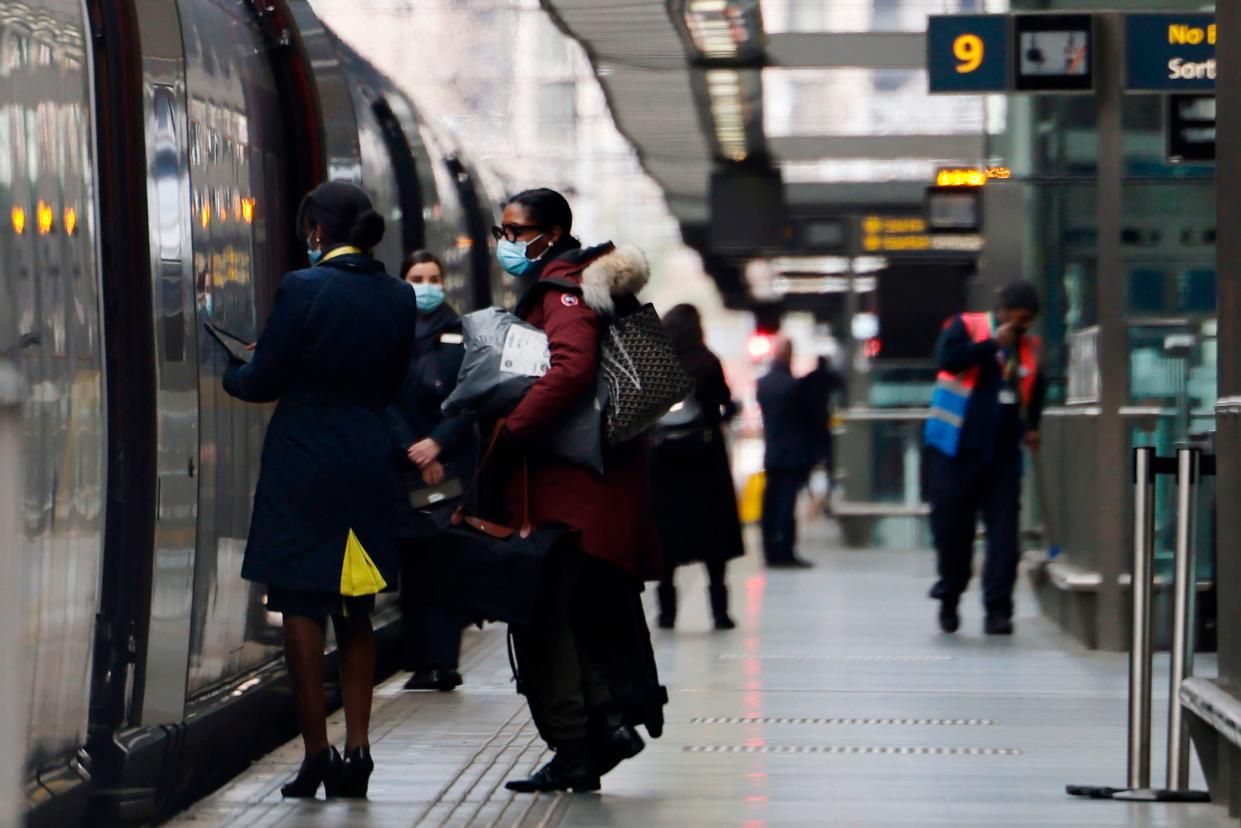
{"x": 241, "y": 227}
{"x": 176, "y": 358}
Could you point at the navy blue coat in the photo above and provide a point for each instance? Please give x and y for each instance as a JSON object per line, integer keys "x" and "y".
{"x": 786, "y": 421}
{"x": 415, "y": 415}
{"x": 333, "y": 352}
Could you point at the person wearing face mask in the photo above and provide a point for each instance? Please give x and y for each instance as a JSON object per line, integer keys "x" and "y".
{"x": 438, "y": 452}
{"x": 988, "y": 401}
{"x": 323, "y": 529}
{"x": 581, "y": 662}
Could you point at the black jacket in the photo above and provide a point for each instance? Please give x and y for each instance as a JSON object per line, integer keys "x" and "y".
{"x": 429, "y": 379}
{"x": 333, "y": 353}
{"x": 786, "y": 418}
{"x": 989, "y": 429}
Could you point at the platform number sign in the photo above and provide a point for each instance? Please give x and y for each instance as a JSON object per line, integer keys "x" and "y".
{"x": 968, "y": 53}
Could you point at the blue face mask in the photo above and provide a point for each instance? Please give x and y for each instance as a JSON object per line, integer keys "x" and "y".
{"x": 512, "y": 256}
{"x": 428, "y": 297}
{"x": 314, "y": 256}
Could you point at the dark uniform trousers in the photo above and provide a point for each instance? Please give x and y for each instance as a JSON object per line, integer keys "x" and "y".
{"x": 779, "y": 522}
{"x": 961, "y": 488}
{"x": 556, "y": 672}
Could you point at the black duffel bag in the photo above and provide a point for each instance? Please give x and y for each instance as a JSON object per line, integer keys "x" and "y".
{"x": 487, "y": 570}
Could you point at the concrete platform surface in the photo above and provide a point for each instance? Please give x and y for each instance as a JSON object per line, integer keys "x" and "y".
{"x": 835, "y": 702}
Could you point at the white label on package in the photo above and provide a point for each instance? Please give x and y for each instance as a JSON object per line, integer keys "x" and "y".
{"x": 525, "y": 352}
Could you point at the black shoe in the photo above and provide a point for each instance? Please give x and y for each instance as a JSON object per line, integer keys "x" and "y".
{"x": 611, "y": 742}
{"x": 998, "y": 625}
{"x": 667, "y": 606}
{"x": 569, "y": 770}
{"x": 324, "y": 768}
{"x": 949, "y": 620}
{"x": 792, "y": 563}
{"x": 719, "y": 607}
{"x": 355, "y": 775}
{"x": 434, "y": 679}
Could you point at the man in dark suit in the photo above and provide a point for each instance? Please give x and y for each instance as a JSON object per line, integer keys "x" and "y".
{"x": 788, "y": 457}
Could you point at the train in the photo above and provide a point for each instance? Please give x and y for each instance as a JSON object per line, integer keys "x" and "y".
{"x": 152, "y": 157}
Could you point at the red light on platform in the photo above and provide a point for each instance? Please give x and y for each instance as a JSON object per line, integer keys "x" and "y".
{"x": 760, "y": 346}
{"x": 872, "y": 347}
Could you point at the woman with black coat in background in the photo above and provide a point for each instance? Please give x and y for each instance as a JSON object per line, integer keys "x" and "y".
{"x": 439, "y": 456}
{"x": 695, "y": 501}
{"x": 323, "y": 532}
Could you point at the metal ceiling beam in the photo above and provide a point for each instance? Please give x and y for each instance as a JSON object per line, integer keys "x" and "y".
{"x": 840, "y": 50}
{"x": 962, "y": 148}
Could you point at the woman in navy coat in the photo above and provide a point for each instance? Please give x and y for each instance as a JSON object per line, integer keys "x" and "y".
{"x": 323, "y": 531}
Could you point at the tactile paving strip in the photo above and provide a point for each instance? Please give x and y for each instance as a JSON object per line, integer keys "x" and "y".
{"x": 820, "y": 657}
{"x": 889, "y": 750}
{"x": 796, "y": 720}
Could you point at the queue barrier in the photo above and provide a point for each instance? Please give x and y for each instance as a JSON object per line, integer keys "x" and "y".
{"x": 1187, "y": 467}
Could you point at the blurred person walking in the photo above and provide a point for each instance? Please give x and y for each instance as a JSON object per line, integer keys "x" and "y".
{"x": 788, "y": 456}
{"x": 818, "y": 389}
{"x": 438, "y": 454}
{"x": 695, "y": 500}
{"x": 323, "y": 531}
{"x": 988, "y": 401}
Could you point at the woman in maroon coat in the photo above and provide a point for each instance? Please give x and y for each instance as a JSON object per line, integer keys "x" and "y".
{"x": 569, "y": 659}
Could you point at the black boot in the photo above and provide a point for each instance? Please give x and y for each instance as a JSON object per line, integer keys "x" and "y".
{"x": 569, "y": 770}
{"x": 612, "y": 741}
{"x": 324, "y": 768}
{"x": 949, "y": 619}
{"x": 355, "y": 774}
{"x": 719, "y": 607}
{"x": 667, "y": 606}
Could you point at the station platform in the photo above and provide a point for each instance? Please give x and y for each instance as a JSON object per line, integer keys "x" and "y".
{"x": 835, "y": 702}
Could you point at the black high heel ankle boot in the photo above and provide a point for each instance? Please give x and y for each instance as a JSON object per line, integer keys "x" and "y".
{"x": 355, "y": 775}
{"x": 321, "y": 769}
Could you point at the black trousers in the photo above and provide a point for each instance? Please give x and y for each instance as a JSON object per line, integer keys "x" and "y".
{"x": 716, "y": 570}
{"x": 558, "y": 676}
{"x": 961, "y": 488}
{"x": 431, "y": 635}
{"x": 779, "y": 522}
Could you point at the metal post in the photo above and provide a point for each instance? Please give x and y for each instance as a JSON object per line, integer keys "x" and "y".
{"x": 1185, "y": 585}
{"x": 1140, "y": 652}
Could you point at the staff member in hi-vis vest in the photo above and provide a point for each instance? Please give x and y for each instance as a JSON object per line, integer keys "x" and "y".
{"x": 988, "y": 399}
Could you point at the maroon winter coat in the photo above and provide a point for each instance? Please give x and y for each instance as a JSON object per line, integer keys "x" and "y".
{"x": 612, "y": 511}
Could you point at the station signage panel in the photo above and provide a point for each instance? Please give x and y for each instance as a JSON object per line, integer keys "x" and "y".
{"x": 1190, "y": 128}
{"x": 968, "y": 53}
{"x": 1054, "y": 52}
{"x": 1170, "y": 52}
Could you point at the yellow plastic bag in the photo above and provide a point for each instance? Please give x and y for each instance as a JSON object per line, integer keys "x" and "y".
{"x": 751, "y": 506}
{"x": 358, "y": 574}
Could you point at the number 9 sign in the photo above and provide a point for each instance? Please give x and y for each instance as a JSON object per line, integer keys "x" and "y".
{"x": 968, "y": 53}
{"x": 969, "y": 50}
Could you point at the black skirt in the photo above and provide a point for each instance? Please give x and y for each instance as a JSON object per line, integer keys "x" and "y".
{"x": 319, "y": 605}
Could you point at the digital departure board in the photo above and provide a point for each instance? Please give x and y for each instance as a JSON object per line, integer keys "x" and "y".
{"x": 1054, "y": 52}
{"x": 1170, "y": 52}
{"x": 967, "y": 54}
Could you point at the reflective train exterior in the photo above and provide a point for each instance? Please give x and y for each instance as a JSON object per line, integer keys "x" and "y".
{"x": 152, "y": 155}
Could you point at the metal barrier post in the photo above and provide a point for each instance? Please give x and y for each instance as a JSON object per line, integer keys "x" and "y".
{"x": 1140, "y": 652}
{"x": 1146, "y": 466}
{"x": 1186, "y": 586}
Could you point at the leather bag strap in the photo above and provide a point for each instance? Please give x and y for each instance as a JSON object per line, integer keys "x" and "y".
{"x": 487, "y": 527}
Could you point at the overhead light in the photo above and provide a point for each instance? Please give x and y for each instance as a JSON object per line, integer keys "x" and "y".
{"x": 725, "y": 29}
{"x": 728, "y": 112}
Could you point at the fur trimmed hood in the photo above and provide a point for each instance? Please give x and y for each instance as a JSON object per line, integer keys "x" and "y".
{"x": 619, "y": 272}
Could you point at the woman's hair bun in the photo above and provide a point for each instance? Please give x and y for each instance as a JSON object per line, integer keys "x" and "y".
{"x": 367, "y": 230}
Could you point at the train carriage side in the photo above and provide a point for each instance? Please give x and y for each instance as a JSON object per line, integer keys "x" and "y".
{"x": 51, "y": 328}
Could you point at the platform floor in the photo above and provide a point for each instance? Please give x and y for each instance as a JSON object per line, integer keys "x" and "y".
{"x": 835, "y": 702}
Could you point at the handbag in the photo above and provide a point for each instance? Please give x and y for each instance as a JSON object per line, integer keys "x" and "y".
{"x": 488, "y": 570}
{"x": 644, "y": 376}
